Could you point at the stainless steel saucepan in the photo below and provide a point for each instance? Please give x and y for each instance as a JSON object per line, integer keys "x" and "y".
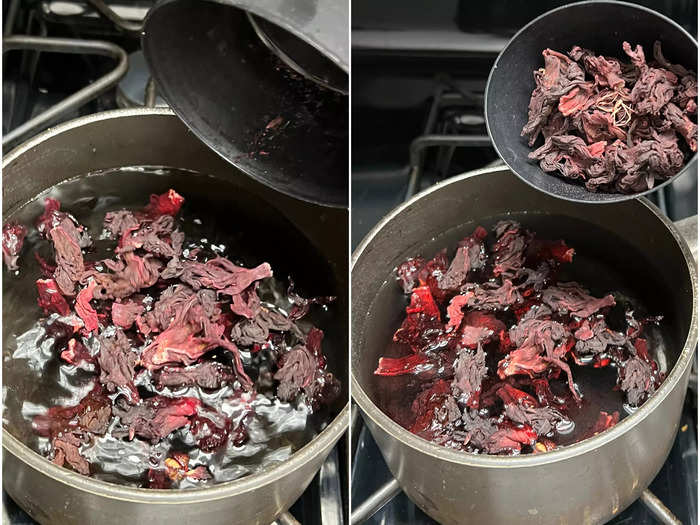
{"x": 152, "y": 137}
{"x": 628, "y": 245}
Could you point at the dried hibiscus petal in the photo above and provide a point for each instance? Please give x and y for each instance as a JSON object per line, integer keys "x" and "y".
{"x": 208, "y": 374}
{"x": 130, "y": 275}
{"x": 70, "y": 427}
{"x": 470, "y": 256}
{"x": 419, "y": 330}
{"x": 247, "y": 303}
{"x": 66, "y": 449}
{"x": 168, "y": 203}
{"x": 477, "y": 320}
{"x": 637, "y": 380}
{"x": 177, "y": 344}
{"x": 478, "y": 429}
{"x": 13, "y": 235}
{"x": 422, "y": 302}
{"x": 594, "y": 337}
{"x": 470, "y": 371}
{"x": 509, "y": 250}
{"x": 297, "y": 369}
{"x": 84, "y": 309}
{"x": 69, "y": 256}
{"x": 573, "y": 299}
{"x": 510, "y": 439}
{"x": 436, "y": 409}
{"x": 117, "y": 365}
{"x": 522, "y": 408}
{"x": 396, "y": 366}
{"x": 491, "y": 296}
{"x": 50, "y": 299}
{"x": 77, "y": 354}
{"x": 221, "y": 274}
{"x": 303, "y": 369}
{"x": 257, "y": 330}
{"x": 125, "y": 314}
{"x": 156, "y": 417}
{"x": 526, "y": 400}
{"x": 158, "y": 237}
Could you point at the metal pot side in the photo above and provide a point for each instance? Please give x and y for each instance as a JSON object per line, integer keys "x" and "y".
{"x": 588, "y": 482}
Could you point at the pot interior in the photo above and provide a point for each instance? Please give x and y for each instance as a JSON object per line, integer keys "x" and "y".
{"x": 622, "y": 247}
{"x": 251, "y": 228}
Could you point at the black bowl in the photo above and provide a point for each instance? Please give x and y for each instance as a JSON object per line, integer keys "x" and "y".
{"x": 601, "y": 26}
{"x": 241, "y": 100}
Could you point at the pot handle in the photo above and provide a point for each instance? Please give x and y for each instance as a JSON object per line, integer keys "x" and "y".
{"x": 688, "y": 229}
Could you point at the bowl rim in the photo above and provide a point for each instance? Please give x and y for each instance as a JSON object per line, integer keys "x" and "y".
{"x": 608, "y": 198}
{"x": 271, "y": 474}
{"x": 405, "y": 437}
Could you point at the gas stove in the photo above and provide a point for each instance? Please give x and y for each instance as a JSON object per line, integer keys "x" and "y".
{"x": 101, "y": 43}
{"x": 417, "y": 104}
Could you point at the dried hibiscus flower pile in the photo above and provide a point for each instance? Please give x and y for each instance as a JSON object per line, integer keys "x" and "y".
{"x": 614, "y": 126}
{"x": 490, "y": 340}
{"x": 156, "y": 318}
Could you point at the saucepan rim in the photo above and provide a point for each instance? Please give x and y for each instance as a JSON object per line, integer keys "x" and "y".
{"x": 386, "y": 424}
{"x": 325, "y": 439}
{"x": 612, "y": 197}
